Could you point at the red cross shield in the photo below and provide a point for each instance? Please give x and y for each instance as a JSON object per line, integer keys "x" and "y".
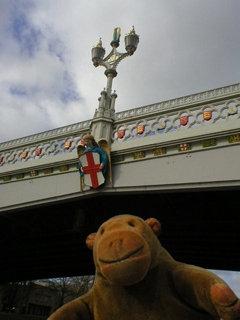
{"x": 93, "y": 176}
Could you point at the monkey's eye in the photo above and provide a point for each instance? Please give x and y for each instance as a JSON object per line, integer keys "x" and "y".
{"x": 131, "y": 224}
{"x": 102, "y": 231}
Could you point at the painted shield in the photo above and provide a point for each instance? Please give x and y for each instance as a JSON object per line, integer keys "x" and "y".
{"x": 184, "y": 147}
{"x": 121, "y": 134}
{"x": 38, "y": 151}
{"x": 207, "y": 115}
{"x": 140, "y": 129}
{"x": 67, "y": 144}
{"x": 161, "y": 125}
{"x": 33, "y": 173}
{"x": 93, "y": 176}
{"x": 232, "y": 110}
{"x": 24, "y": 154}
{"x": 183, "y": 120}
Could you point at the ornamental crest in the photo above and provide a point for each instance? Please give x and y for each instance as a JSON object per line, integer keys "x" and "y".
{"x": 161, "y": 125}
{"x": 93, "y": 176}
{"x": 19, "y": 176}
{"x": 67, "y": 144}
{"x": 52, "y": 148}
{"x": 38, "y": 151}
{"x": 183, "y": 120}
{"x": 184, "y": 147}
{"x": 121, "y": 133}
{"x": 232, "y": 110}
{"x": 63, "y": 168}
{"x": 140, "y": 129}
{"x": 234, "y": 138}
{"x": 159, "y": 151}
{"x": 207, "y": 115}
{"x": 209, "y": 143}
{"x": 33, "y": 173}
{"x": 138, "y": 155}
{"x": 11, "y": 157}
{"x": 24, "y": 154}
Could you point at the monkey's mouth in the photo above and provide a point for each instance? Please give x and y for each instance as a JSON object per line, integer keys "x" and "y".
{"x": 124, "y": 258}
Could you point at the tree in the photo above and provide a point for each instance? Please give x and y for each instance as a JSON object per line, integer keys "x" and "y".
{"x": 15, "y": 295}
{"x": 82, "y": 284}
{"x": 70, "y": 288}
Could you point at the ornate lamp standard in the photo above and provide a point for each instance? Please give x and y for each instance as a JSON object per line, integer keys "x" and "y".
{"x": 106, "y": 108}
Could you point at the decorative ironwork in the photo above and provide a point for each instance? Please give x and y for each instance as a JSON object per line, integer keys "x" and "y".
{"x": 209, "y": 143}
{"x": 156, "y": 119}
{"x": 159, "y": 151}
{"x": 184, "y": 147}
{"x": 234, "y": 138}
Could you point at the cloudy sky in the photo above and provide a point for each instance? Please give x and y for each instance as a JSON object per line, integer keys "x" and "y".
{"x": 47, "y": 79}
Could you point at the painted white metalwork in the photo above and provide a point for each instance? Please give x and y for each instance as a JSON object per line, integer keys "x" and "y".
{"x": 179, "y": 102}
{"x": 50, "y": 143}
{"x": 159, "y": 118}
{"x": 169, "y": 120}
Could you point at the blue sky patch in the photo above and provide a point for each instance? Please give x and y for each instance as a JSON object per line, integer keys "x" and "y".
{"x": 27, "y": 36}
{"x": 69, "y": 94}
{"x": 18, "y": 90}
{"x": 56, "y": 47}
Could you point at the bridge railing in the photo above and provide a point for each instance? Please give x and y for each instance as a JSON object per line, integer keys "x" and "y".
{"x": 197, "y": 110}
{"x": 202, "y": 110}
{"x": 41, "y": 145}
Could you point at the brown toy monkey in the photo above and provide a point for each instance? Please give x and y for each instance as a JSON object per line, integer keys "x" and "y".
{"x": 136, "y": 279}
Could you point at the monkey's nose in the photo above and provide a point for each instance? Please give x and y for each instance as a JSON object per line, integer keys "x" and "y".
{"x": 116, "y": 246}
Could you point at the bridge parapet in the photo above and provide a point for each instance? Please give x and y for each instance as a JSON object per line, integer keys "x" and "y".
{"x": 157, "y": 130}
{"x": 41, "y": 145}
{"x": 197, "y": 110}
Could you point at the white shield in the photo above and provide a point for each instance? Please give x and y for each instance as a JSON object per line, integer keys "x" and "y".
{"x": 93, "y": 176}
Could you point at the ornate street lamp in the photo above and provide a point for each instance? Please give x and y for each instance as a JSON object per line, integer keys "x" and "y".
{"x": 111, "y": 62}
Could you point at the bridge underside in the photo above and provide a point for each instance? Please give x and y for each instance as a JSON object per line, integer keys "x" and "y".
{"x": 200, "y": 228}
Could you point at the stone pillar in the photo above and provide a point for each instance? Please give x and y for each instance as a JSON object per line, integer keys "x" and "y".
{"x": 101, "y": 126}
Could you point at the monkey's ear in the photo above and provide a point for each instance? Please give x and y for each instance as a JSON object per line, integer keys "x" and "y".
{"x": 90, "y": 240}
{"x": 155, "y": 225}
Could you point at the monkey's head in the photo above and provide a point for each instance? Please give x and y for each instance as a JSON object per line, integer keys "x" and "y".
{"x": 125, "y": 248}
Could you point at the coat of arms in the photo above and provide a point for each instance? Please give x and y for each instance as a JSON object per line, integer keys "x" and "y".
{"x": 93, "y": 176}
{"x": 207, "y": 115}
{"x": 121, "y": 134}
{"x": 140, "y": 129}
{"x": 183, "y": 120}
{"x": 232, "y": 110}
{"x": 38, "y": 151}
{"x": 67, "y": 144}
{"x": 24, "y": 154}
{"x": 184, "y": 147}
